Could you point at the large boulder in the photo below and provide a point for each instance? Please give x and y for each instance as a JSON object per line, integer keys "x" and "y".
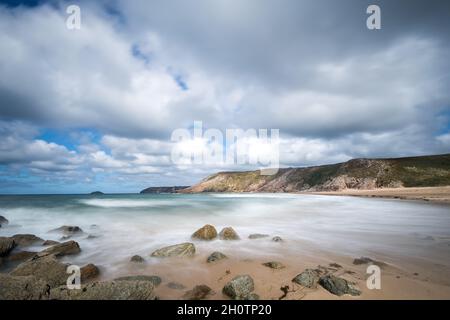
{"x": 338, "y": 286}
{"x": 68, "y": 230}
{"x": 308, "y": 278}
{"x": 3, "y": 221}
{"x": 177, "y": 250}
{"x": 153, "y": 279}
{"x": 207, "y": 232}
{"x": 228, "y": 233}
{"x": 110, "y": 290}
{"x": 6, "y": 245}
{"x": 61, "y": 249}
{"x": 198, "y": 293}
{"x": 24, "y": 240}
{"x": 215, "y": 256}
{"x": 22, "y": 288}
{"x": 88, "y": 272}
{"x": 239, "y": 288}
{"x": 46, "y": 268}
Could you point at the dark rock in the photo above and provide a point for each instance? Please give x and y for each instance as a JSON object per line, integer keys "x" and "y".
{"x": 6, "y": 245}
{"x": 198, "y": 293}
{"x": 46, "y": 268}
{"x": 308, "y": 278}
{"x": 153, "y": 279}
{"x": 173, "y": 189}
{"x": 27, "y": 239}
{"x": 366, "y": 260}
{"x": 96, "y": 193}
{"x": 3, "y": 221}
{"x": 216, "y": 256}
{"x": 239, "y": 288}
{"x": 228, "y": 233}
{"x": 110, "y": 290}
{"x": 207, "y": 232}
{"x": 68, "y": 230}
{"x": 61, "y": 249}
{"x": 50, "y": 243}
{"x": 177, "y": 250}
{"x": 338, "y": 286}
{"x": 258, "y": 236}
{"x": 277, "y": 239}
{"x": 175, "y": 285}
{"x": 22, "y": 288}
{"x": 335, "y": 265}
{"x": 274, "y": 265}
{"x": 92, "y": 236}
{"x": 89, "y": 271}
{"x": 137, "y": 258}
{"x": 21, "y": 256}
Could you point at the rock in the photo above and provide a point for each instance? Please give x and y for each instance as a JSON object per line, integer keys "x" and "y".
{"x": 3, "y": 221}
{"x": 50, "y": 243}
{"x": 89, "y": 271}
{"x": 26, "y": 239}
{"x": 277, "y": 239}
{"x": 216, "y": 256}
{"x": 198, "y": 293}
{"x": 110, "y": 290}
{"x": 228, "y": 233}
{"x": 274, "y": 265}
{"x": 46, "y": 268}
{"x": 21, "y": 256}
{"x": 68, "y": 230}
{"x": 92, "y": 236}
{"x": 175, "y": 285}
{"x": 308, "y": 278}
{"x": 366, "y": 260}
{"x": 22, "y": 288}
{"x": 207, "y": 232}
{"x": 153, "y": 279}
{"x": 335, "y": 265}
{"x": 257, "y": 236}
{"x": 239, "y": 288}
{"x": 6, "y": 245}
{"x": 338, "y": 286}
{"x": 61, "y": 249}
{"x": 177, "y": 250}
{"x": 253, "y": 296}
{"x": 137, "y": 258}
{"x": 96, "y": 193}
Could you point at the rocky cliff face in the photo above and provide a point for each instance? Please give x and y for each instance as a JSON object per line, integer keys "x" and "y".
{"x": 367, "y": 174}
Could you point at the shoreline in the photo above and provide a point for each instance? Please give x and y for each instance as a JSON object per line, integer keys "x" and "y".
{"x": 429, "y": 194}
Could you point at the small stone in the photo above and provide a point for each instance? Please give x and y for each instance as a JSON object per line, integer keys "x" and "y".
{"x": 277, "y": 239}
{"x": 228, "y": 233}
{"x": 335, "y": 265}
{"x": 366, "y": 260}
{"x": 198, "y": 293}
{"x": 274, "y": 265}
{"x": 89, "y": 271}
{"x": 216, "y": 256}
{"x": 92, "y": 236}
{"x": 258, "y": 236}
{"x": 137, "y": 258}
{"x": 153, "y": 279}
{"x": 207, "y": 232}
{"x": 308, "y": 278}
{"x": 50, "y": 243}
{"x": 176, "y": 286}
{"x": 338, "y": 286}
{"x": 239, "y": 288}
{"x": 177, "y": 250}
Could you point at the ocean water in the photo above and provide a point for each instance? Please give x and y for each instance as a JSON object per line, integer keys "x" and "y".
{"x": 139, "y": 224}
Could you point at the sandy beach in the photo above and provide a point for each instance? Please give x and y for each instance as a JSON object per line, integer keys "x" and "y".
{"x": 435, "y": 194}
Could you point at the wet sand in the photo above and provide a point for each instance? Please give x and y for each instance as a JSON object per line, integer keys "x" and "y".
{"x": 435, "y": 194}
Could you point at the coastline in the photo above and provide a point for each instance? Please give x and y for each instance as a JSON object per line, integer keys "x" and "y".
{"x": 431, "y": 194}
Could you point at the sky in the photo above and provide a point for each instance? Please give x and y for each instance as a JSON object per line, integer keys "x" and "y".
{"x": 95, "y": 108}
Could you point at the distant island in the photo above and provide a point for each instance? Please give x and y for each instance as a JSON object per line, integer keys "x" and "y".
{"x": 96, "y": 193}
{"x": 360, "y": 174}
{"x": 173, "y": 189}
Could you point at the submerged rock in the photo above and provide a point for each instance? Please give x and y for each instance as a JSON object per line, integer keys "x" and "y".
{"x": 137, "y": 258}
{"x": 258, "y": 236}
{"x": 274, "y": 265}
{"x": 26, "y": 239}
{"x": 216, "y": 256}
{"x": 176, "y": 285}
{"x": 61, "y": 249}
{"x": 228, "y": 233}
{"x": 50, "y": 243}
{"x": 207, "y": 232}
{"x": 153, "y": 279}
{"x": 3, "y": 221}
{"x": 308, "y": 278}
{"x": 89, "y": 271}
{"x": 68, "y": 230}
{"x": 6, "y": 245}
{"x": 239, "y": 288}
{"x": 22, "y": 288}
{"x": 198, "y": 293}
{"x": 177, "y": 250}
{"x": 110, "y": 290}
{"x": 338, "y": 286}
{"x": 277, "y": 239}
{"x": 366, "y": 260}
{"x": 21, "y": 256}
